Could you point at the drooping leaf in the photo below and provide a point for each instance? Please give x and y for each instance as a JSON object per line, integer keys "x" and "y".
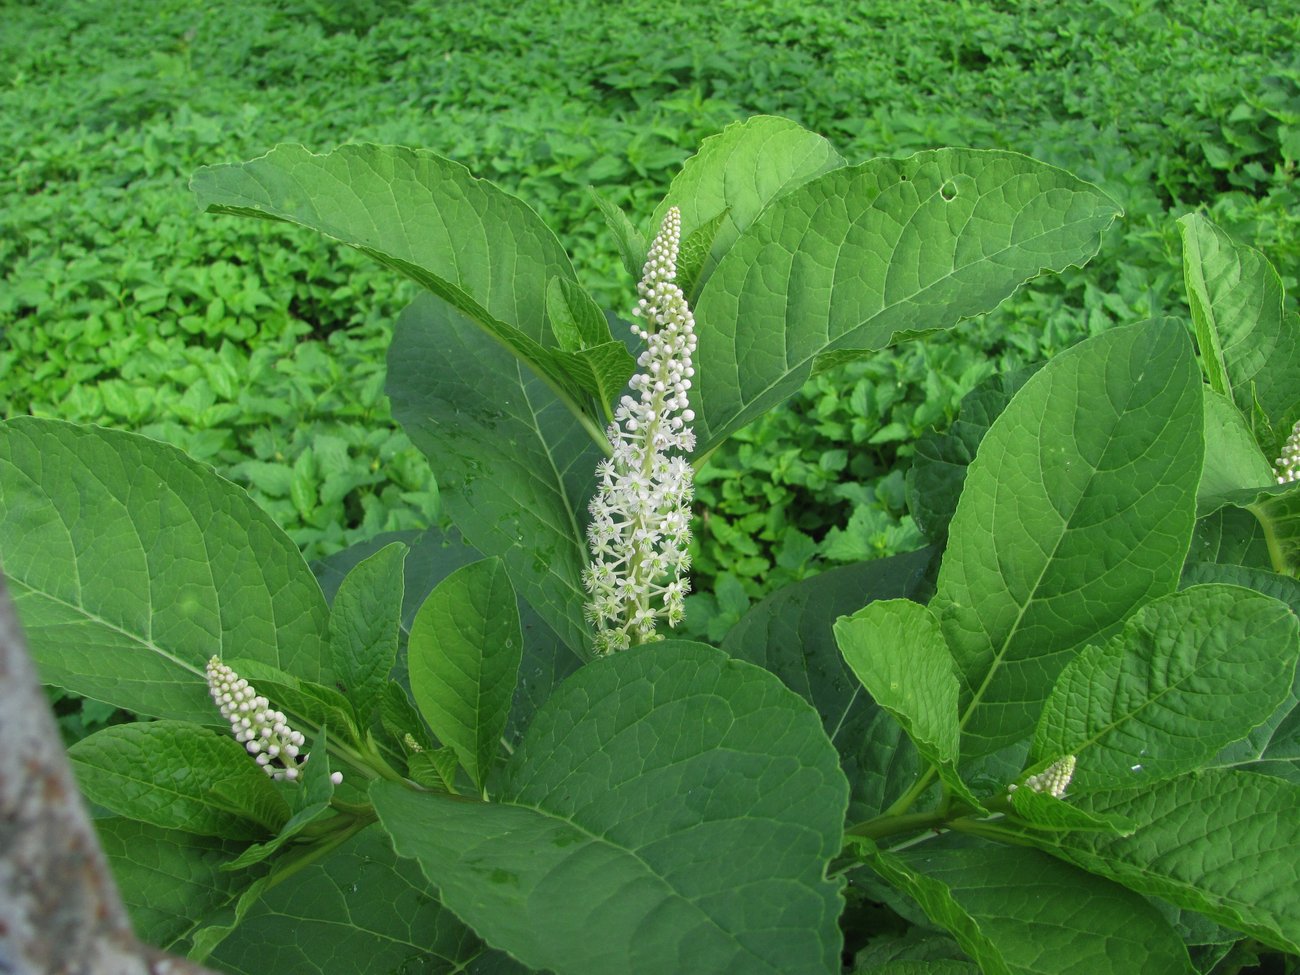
{"x": 181, "y": 776}
{"x": 1016, "y": 910}
{"x": 364, "y": 621}
{"x": 858, "y": 254}
{"x": 1042, "y": 810}
{"x": 361, "y": 909}
{"x": 1077, "y": 509}
{"x": 130, "y": 565}
{"x": 1250, "y": 346}
{"x": 463, "y": 656}
{"x": 790, "y": 634}
{"x": 680, "y": 804}
{"x": 1188, "y": 674}
{"x": 738, "y": 172}
{"x": 1219, "y": 842}
{"x": 896, "y": 649}
{"x": 483, "y": 251}
{"x": 514, "y": 470}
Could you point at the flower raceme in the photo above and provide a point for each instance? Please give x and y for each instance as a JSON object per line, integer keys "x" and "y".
{"x": 264, "y": 732}
{"x": 640, "y": 516}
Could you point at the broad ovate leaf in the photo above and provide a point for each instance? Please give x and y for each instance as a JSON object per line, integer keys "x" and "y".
{"x": 463, "y": 655}
{"x": 855, "y": 256}
{"x": 895, "y": 647}
{"x": 1077, "y": 509}
{"x": 669, "y": 810}
{"x": 1219, "y": 842}
{"x": 131, "y": 564}
{"x": 365, "y": 619}
{"x": 1186, "y": 675}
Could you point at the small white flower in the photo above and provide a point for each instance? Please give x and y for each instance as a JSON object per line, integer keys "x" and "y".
{"x": 1288, "y": 465}
{"x": 1054, "y": 779}
{"x": 263, "y": 732}
{"x": 640, "y": 517}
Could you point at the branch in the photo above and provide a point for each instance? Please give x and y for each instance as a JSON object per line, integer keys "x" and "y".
{"x": 60, "y": 911}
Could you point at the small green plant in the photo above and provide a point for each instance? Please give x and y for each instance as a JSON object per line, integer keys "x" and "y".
{"x": 1061, "y": 735}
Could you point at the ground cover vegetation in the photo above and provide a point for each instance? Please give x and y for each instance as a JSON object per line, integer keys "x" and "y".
{"x": 259, "y": 351}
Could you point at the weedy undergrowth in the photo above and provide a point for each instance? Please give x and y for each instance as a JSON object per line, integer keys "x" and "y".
{"x": 1062, "y": 736}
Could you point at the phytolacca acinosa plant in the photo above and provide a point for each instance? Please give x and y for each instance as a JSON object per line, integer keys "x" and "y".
{"x": 641, "y": 514}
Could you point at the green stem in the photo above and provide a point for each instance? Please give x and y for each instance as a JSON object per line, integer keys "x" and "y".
{"x": 908, "y": 798}
{"x": 890, "y": 825}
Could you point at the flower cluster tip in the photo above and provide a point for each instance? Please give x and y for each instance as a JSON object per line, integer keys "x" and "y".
{"x": 640, "y": 516}
{"x": 264, "y": 732}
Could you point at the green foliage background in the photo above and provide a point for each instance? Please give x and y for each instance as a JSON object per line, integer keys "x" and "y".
{"x": 121, "y": 305}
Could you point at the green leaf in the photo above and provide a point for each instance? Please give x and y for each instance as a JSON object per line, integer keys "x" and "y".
{"x": 1233, "y": 460}
{"x": 938, "y": 470}
{"x": 789, "y": 633}
{"x": 601, "y": 365}
{"x": 861, "y": 253}
{"x": 631, "y": 242}
{"x": 1016, "y": 910}
{"x": 1078, "y": 508}
{"x": 179, "y": 776}
{"x": 131, "y": 565}
{"x": 738, "y": 172}
{"x": 1219, "y": 842}
{"x": 169, "y": 880}
{"x": 682, "y": 805}
{"x": 463, "y": 656}
{"x": 694, "y": 254}
{"x": 513, "y": 468}
{"x": 361, "y": 909}
{"x": 1250, "y": 347}
{"x": 1041, "y": 810}
{"x": 473, "y": 245}
{"x": 1186, "y": 675}
{"x": 896, "y": 649}
{"x": 364, "y": 621}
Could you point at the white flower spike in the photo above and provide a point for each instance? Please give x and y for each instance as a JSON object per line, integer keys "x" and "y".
{"x": 264, "y": 732}
{"x": 641, "y": 514}
{"x": 1288, "y": 465}
{"x": 1054, "y": 779}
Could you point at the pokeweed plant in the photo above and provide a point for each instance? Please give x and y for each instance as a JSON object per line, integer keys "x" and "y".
{"x": 1064, "y": 737}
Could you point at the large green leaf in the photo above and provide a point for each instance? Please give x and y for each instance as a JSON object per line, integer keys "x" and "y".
{"x": 855, "y": 256}
{"x": 896, "y": 649}
{"x": 130, "y": 565}
{"x": 364, "y": 621}
{"x": 1218, "y": 842}
{"x": 1233, "y": 460}
{"x": 360, "y": 909}
{"x": 463, "y": 657}
{"x": 1016, "y": 910}
{"x": 669, "y": 810}
{"x": 736, "y": 173}
{"x": 1188, "y": 674}
{"x": 485, "y": 252}
{"x": 1078, "y": 508}
{"x": 178, "y": 775}
{"x": 513, "y": 468}
{"x": 790, "y": 634}
{"x": 1250, "y": 346}
{"x": 169, "y": 880}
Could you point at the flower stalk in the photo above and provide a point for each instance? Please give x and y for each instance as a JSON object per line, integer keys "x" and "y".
{"x": 640, "y": 517}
